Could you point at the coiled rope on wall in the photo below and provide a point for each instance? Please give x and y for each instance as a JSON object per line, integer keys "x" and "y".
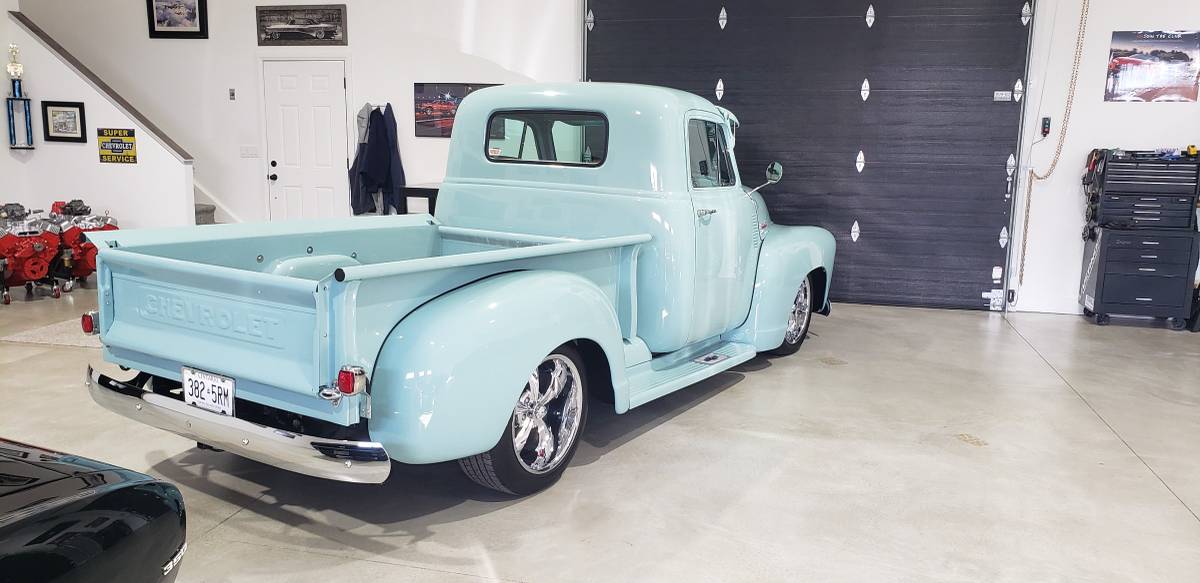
{"x": 1062, "y": 137}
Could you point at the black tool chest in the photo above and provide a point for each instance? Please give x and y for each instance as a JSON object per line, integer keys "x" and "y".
{"x": 1141, "y": 246}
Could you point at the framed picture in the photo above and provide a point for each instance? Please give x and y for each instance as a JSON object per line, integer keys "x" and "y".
{"x": 63, "y": 121}
{"x": 177, "y": 18}
{"x": 301, "y": 25}
{"x": 435, "y": 104}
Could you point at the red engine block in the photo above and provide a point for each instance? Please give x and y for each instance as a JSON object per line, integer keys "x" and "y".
{"x": 79, "y": 254}
{"x": 27, "y": 255}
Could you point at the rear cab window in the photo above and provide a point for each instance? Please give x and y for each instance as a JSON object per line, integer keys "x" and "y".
{"x": 567, "y": 138}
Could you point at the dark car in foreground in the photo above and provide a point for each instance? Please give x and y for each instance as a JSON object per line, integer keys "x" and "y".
{"x": 68, "y": 519}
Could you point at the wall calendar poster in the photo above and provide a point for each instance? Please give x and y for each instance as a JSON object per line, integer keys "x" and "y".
{"x": 1153, "y": 66}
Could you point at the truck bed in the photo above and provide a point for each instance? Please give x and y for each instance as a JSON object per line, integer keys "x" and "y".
{"x": 280, "y": 307}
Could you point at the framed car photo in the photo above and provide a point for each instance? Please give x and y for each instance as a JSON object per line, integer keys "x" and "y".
{"x": 301, "y": 25}
{"x": 63, "y": 121}
{"x": 177, "y": 18}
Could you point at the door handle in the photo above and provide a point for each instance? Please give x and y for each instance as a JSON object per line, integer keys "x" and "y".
{"x": 272, "y": 177}
{"x": 705, "y": 212}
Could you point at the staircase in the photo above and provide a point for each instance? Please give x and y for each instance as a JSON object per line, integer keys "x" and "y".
{"x": 206, "y": 214}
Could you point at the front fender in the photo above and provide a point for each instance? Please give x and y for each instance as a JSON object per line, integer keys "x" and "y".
{"x": 788, "y": 254}
{"x": 449, "y": 374}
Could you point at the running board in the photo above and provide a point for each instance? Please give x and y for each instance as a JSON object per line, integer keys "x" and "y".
{"x": 670, "y": 372}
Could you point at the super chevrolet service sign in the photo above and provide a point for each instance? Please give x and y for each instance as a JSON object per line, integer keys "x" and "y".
{"x": 117, "y": 146}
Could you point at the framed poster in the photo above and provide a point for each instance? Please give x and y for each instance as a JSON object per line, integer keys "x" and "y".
{"x": 301, "y": 25}
{"x": 63, "y": 121}
{"x": 434, "y": 106}
{"x": 117, "y": 146}
{"x": 1153, "y": 66}
{"x": 177, "y": 18}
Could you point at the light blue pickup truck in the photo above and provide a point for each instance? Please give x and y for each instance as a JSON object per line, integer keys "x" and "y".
{"x": 591, "y": 241}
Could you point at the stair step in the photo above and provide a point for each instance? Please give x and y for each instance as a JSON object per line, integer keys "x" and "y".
{"x": 671, "y": 372}
{"x": 206, "y": 213}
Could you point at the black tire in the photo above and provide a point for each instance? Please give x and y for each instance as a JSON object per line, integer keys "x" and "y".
{"x": 792, "y": 344}
{"x": 1102, "y": 319}
{"x": 502, "y": 470}
{"x": 1088, "y": 313}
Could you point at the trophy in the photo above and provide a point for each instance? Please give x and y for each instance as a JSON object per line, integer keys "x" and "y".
{"x": 17, "y": 106}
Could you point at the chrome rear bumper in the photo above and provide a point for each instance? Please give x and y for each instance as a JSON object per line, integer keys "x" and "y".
{"x": 304, "y": 454}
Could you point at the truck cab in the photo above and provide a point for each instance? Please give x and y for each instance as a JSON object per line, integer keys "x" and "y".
{"x": 590, "y": 240}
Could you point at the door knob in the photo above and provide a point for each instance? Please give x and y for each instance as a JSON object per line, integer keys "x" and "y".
{"x": 273, "y": 177}
{"x": 705, "y": 212}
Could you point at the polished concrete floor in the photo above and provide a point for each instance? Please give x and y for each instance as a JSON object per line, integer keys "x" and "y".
{"x": 898, "y": 445}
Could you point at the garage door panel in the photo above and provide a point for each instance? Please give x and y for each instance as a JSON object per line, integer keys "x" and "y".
{"x": 841, "y": 50}
{"x": 931, "y": 199}
{"x": 606, "y": 14}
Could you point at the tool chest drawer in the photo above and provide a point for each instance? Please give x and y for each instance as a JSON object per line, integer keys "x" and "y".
{"x": 1147, "y": 219}
{"x": 1150, "y": 256}
{"x": 1139, "y": 240}
{"x": 1151, "y": 269}
{"x": 1117, "y": 202}
{"x": 1139, "y": 290}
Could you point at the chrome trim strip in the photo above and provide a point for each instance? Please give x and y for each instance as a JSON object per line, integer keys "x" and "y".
{"x": 282, "y": 449}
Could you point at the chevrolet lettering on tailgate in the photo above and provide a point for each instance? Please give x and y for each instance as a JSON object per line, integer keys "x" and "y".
{"x": 209, "y": 318}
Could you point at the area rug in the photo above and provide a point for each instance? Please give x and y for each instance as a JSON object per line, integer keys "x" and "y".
{"x": 65, "y": 333}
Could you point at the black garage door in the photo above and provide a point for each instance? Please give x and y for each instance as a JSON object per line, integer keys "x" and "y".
{"x": 895, "y": 121}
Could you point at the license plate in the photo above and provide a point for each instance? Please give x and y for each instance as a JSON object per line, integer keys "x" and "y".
{"x": 208, "y": 391}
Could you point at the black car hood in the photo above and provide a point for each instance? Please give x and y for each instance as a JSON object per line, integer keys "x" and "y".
{"x": 29, "y": 473}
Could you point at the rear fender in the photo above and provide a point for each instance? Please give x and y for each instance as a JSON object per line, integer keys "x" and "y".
{"x": 788, "y": 255}
{"x": 449, "y": 374}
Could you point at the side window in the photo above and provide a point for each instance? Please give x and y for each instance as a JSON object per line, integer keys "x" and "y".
{"x": 548, "y": 137}
{"x": 708, "y": 157}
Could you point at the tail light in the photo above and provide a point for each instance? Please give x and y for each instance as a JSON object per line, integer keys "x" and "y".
{"x": 351, "y": 380}
{"x": 90, "y": 322}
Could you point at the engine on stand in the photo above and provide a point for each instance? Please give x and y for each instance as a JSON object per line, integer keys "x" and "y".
{"x": 78, "y": 258}
{"x": 29, "y": 246}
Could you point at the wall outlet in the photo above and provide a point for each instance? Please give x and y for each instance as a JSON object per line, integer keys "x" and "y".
{"x": 249, "y": 151}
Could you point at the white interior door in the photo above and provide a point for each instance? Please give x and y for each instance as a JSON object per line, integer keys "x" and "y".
{"x": 306, "y": 139}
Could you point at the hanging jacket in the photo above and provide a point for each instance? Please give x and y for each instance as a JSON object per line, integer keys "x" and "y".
{"x": 361, "y": 200}
{"x": 376, "y": 173}
{"x": 377, "y": 166}
{"x": 395, "y": 197}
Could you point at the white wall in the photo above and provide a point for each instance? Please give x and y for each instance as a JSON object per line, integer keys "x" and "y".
{"x": 1056, "y": 219}
{"x": 183, "y": 84}
{"x": 155, "y": 191}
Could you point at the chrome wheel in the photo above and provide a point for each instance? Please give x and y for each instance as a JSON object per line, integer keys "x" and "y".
{"x": 546, "y": 420}
{"x": 801, "y": 312}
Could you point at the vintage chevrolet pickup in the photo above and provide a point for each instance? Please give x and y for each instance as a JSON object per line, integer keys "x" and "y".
{"x": 590, "y": 241}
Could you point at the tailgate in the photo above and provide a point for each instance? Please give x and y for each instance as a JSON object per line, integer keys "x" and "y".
{"x": 263, "y": 330}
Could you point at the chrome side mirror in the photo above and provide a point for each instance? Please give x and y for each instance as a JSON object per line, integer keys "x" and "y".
{"x": 774, "y": 172}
